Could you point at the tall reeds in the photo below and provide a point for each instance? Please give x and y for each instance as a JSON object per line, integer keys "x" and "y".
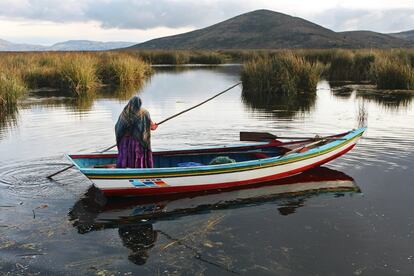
{"x": 79, "y": 73}
{"x": 123, "y": 70}
{"x": 392, "y": 73}
{"x": 11, "y": 88}
{"x": 181, "y": 57}
{"x": 284, "y": 73}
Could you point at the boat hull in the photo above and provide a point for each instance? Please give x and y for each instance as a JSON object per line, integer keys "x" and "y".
{"x": 170, "y": 180}
{"x": 185, "y": 184}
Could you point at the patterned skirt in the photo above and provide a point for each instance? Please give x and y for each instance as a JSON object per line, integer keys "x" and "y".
{"x": 131, "y": 154}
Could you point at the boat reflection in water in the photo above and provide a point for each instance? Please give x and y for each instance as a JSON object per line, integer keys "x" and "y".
{"x": 134, "y": 217}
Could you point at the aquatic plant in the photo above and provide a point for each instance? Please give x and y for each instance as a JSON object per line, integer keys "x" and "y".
{"x": 41, "y": 76}
{"x": 78, "y": 73}
{"x": 123, "y": 70}
{"x": 362, "y": 66}
{"x": 341, "y": 65}
{"x": 208, "y": 58}
{"x": 393, "y": 73}
{"x": 11, "y": 88}
{"x": 284, "y": 73}
{"x": 164, "y": 57}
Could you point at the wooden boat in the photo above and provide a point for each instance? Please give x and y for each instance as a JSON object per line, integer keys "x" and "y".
{"x": 94, "y": 212}
{"x": 255, "y": 163}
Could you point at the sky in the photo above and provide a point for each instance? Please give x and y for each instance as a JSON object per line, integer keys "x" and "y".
{"x": 49, "y": 21}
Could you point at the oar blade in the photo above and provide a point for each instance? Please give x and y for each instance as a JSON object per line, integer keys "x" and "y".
{"x": 256, "y": 136}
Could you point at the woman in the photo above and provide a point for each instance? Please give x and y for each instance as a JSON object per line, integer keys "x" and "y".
{"x": 133, "y": 135}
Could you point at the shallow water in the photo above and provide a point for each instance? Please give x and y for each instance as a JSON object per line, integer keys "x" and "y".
{"x": 63, "y": 226}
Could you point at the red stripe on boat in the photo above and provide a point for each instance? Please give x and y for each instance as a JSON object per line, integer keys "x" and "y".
{"x": 201, "y": 187}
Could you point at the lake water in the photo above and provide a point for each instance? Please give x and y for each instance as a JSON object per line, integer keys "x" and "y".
{"x": 61, "y": 226}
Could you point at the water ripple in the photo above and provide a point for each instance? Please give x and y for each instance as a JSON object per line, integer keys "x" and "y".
{"x": 28, "y": 179}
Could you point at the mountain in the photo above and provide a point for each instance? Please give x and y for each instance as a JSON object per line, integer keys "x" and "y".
{"x": 408, "y": 35}
{"x": 264, "y": 29}
{"x": 9, "y": 46}
{"x": 70, "y": 45}
{"x": 261, "y": 29}
{"x": 368, "y": 39}
{"x": 88, "y": 45}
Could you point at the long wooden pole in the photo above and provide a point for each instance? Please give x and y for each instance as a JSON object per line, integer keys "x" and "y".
{"x": 58, "y": 172}
{"x": 186, "y": 110}
{"x": 197, "y": 105}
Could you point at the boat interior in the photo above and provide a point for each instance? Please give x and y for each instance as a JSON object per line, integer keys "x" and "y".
{"x": 200, "y": 157}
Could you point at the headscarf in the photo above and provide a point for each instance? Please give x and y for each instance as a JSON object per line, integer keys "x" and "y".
{"x": 134, "y": 121}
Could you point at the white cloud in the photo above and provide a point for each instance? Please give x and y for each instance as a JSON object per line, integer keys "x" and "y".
{"x": 47, "y": 33}
{"x": 144, "y": 19}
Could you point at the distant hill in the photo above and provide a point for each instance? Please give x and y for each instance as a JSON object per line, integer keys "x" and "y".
{"x": 408, "y": 35}
{"x": 264, "y": 29}
{"x": 88, "y": 45}
{"x": 70, "y": 45}
{"x": 368, "y": 39}
{"x": 9, "y": 46}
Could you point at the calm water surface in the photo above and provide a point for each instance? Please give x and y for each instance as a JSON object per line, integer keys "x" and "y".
{"x": 63, "y": 226}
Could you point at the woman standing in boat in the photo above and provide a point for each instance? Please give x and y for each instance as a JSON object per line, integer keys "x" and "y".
{"x": 133, "y": 136}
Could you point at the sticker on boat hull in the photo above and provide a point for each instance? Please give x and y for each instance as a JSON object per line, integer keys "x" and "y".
{"x": 148, "y": 183}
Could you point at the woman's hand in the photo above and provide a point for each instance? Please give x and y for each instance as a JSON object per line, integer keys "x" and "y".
{"x": 153, "y": 126}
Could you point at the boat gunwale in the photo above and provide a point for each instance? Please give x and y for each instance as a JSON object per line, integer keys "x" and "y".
{"x": 104, "y": 173}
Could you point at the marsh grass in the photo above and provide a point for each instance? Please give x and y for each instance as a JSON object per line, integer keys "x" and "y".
{"x": 273, "y": 71}
{"x": 208, "y": 58}
{"x": 41, "y": 77}
{"x": 11, "y": 88}
{"x": 163, "y": 57}
{"x": 182, "y": 57}
{"x": 79, "y": 73}
{"x": 282, "y": 74}
{"x": 393, "y": 73}
{"x": 123, "y": 70}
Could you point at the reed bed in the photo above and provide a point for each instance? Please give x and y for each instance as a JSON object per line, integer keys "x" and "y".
{"x": 12, "y": 85}
{"x": 286, "y": 71}
{"x": 123, "y": 70}
{"x": 392, "y": 73}
{"x": 283, "y": 74}
{"x": 11, "y": 88}
{"x": 179, "y": 57}
{"x": 79, "y": 73}
{"x": 272, "y": 71}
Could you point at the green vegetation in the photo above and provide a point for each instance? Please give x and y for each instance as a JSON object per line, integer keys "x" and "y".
{"x": 123, "y": 70}
{"x": 394, "y": 73}
{"x": 283, "y": 74}
{"x": 278, "y": 72}
{"x": 265, "y": 72}
{"x": 11, "y": 87}
{"x": 181, "y": 57}
{"x": 78, "y": 73}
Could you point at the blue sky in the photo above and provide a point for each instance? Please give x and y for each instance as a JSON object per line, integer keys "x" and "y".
{"x": 50, "y": 21}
